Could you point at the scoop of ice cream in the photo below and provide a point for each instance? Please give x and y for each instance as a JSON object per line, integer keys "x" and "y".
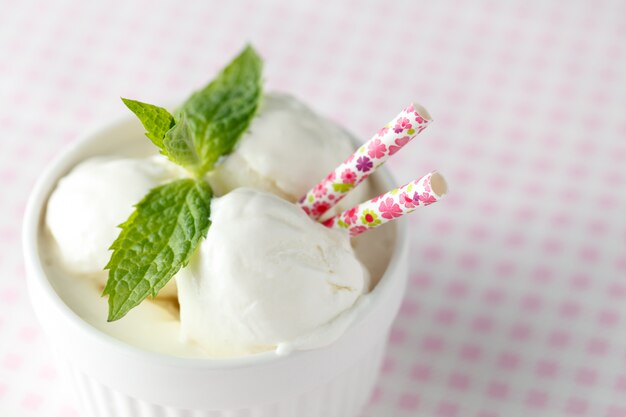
{"x": 92, "y": 200}
{"x": 287, "y": 150}
{"x": 265, "y": 275}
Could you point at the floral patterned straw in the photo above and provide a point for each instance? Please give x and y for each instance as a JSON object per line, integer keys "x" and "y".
{"x": 372, "y": 154}
{"x": 393, "y": 204}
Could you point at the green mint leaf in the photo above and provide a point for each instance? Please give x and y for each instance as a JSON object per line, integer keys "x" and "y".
{"x": 168, "y": 224}
{"x": 174, "y": 139}
{"x": 180, "y": 147}
{"x": 155, "y": 242}
{"x": 222, "y": 111}
{"x": 156, "y": 120}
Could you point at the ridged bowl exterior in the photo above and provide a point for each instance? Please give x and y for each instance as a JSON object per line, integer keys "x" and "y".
{"x": 343, "y": 396}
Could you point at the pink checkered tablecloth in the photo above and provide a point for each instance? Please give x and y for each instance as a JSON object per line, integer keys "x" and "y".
{"x": 517, "y": 297}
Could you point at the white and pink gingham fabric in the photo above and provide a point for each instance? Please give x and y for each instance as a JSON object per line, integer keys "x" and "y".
{"x": 517, "y": 297}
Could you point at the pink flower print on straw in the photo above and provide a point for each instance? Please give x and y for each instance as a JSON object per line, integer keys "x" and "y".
{"x": 365, "y": 160}
{"x": 391, "y": 205}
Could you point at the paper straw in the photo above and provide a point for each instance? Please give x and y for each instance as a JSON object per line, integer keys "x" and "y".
{"x": 365, "y": 160}
{"x": 391, "y": 205}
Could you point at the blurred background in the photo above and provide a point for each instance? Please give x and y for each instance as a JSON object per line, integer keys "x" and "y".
{"x": 516, "y": 303}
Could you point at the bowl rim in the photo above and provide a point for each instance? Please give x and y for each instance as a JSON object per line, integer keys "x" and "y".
{"x": 36, "y": 274}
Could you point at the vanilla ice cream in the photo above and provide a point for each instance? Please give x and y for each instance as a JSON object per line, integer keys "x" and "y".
{"x": 92, "y": 200}
{"x": 287, "y": 150}
{"x": 266, "y": 275}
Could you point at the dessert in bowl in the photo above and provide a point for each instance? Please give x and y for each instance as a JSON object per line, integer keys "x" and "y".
{"x": 229, "y": 338}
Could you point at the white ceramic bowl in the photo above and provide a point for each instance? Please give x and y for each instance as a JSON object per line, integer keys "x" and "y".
{"x": 114, "y": 379}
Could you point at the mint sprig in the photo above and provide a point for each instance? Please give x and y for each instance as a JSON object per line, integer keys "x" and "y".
{"x": 209, "y": 123}
{"x": 155, "y": 242}
{"x": 222, "y": 111}
{"x": 166, "y": 226}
